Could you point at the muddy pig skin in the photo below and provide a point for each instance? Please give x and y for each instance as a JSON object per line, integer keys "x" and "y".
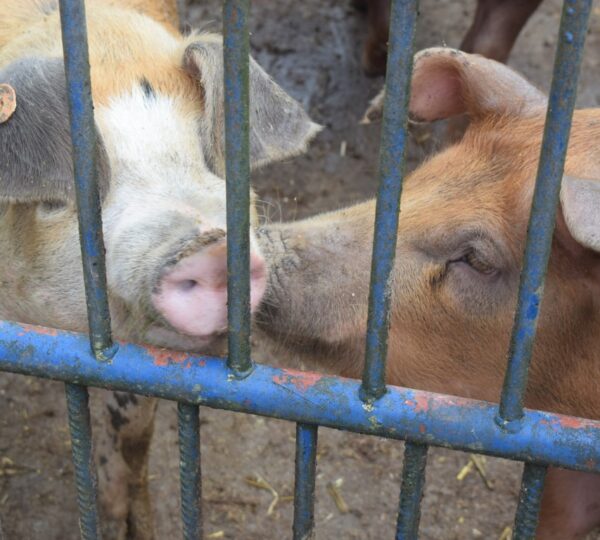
{"x": 461, "y": 235}
{"x": 158, "y": 100}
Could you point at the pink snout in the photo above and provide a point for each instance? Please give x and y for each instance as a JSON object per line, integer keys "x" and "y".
{"x": 192, "y": 296}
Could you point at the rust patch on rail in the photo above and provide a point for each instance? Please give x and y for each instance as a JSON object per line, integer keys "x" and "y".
{"x": 301, "y": 380}
{"x": 40, "y": 330}
{"x": 419, "y": 403}
{"x": 571, "y": 422}
{"x": 164, "y": 357}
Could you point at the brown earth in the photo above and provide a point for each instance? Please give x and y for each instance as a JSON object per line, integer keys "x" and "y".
{"x": 312, "y": 48}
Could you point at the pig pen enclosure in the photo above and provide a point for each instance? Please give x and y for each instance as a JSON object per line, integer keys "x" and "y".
{"x": 313, "y": 49}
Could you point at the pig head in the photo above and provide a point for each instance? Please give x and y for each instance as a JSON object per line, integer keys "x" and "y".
{"x": 461, "y": 236}
{"x": 160, "y": 161}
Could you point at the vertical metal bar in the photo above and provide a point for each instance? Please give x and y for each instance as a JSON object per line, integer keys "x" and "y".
{"x": 83, "y": 460}
{"x": 237, "y": 169}
{"x": 392, "y": 159}
{"x": 190, "y": 477}
{"x": 411, "y": 492}
{"x": 528, "y": 509}
{"x": 83, "y": 136}
{"x": 573, "y": 28}
{"x": 304, "y": 492}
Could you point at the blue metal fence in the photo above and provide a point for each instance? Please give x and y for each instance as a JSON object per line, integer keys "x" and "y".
{"x": 537, "y": 438}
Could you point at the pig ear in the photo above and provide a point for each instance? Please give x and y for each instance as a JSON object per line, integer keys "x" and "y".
{"x": 447, "y": 82}
{"x": 35, "y": 141}
{"x": 279, "y": 126}
{"x": 580, "y": 201}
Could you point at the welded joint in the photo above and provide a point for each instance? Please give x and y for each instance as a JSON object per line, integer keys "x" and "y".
{"x": 509, "y": 426}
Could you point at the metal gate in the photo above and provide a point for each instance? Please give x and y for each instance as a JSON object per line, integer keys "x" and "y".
{"x": 420, "y": 418}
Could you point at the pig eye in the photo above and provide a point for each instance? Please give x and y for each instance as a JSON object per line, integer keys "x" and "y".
{"x": 473, "y": 260}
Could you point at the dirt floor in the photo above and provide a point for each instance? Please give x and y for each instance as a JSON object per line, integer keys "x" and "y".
{"x": 312, "y": 48}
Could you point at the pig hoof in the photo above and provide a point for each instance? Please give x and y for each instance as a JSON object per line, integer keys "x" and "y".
{"x": 192, "y": 293}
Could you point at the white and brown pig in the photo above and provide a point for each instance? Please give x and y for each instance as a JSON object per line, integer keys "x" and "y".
{"x": 158, "y": 100}
{"x": 461, "y": 236}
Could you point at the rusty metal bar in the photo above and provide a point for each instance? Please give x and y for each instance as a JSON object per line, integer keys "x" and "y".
{"x": 392, "y": 161}
{"x": 83, "y": 459}
{"x": 411, "y": 492}
{"x": 532, "y": 486}
{"x": 190, "y": 474}
{"x": 571, "y": 38}
{"x": 237, "y": 167}
{"x": 83, "y": 137}
{"x": 304, "y": 492}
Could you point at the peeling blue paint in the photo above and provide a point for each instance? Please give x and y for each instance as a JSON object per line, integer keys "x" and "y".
{"x": 401, "y": 413}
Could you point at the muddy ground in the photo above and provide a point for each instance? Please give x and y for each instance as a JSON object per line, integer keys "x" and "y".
{"x": 312, "y": 48}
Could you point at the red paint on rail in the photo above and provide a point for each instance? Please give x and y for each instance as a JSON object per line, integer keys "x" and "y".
{"x": 301, "y": 380}
{"x": 41, "y": 330}
{"x": 163, "y": 357}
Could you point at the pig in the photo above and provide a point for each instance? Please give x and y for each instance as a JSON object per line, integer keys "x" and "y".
{"x": 493, "y": 32}
{"x": 461, "y": 235}
{"x": 159, "y": 116}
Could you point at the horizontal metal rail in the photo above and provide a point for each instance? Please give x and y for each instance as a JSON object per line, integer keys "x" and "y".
{"x": 310, "y": 398}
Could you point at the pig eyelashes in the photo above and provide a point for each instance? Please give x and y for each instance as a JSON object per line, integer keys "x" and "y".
{"x": 474, "y": 260}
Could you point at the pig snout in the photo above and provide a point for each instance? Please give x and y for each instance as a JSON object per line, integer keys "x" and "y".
{"x": 191, "y": 294}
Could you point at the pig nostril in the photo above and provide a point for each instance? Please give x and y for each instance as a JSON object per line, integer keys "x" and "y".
{"x": 188, "y": 284}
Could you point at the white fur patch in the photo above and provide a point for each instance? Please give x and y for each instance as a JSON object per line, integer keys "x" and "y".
{"x": 156, "y": 159}
{"x": 157, "y": 171}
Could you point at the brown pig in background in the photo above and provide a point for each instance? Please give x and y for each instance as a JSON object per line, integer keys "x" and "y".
{"x": 493, "y": 32}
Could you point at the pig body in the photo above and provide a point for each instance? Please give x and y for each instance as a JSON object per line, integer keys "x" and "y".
{"x": 158, "y": 100}
{"x": 461, "y": 236}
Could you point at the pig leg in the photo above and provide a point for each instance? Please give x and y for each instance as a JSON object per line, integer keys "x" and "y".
{"x": 496, "y": 26}
{"x": 375, "y": 49}
{"x": 570, "y": 505}
{"x": 123, "y": 452}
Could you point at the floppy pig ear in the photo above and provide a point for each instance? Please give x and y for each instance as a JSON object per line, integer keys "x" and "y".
{"x": 35, "y": 140}
{"x": 580, "y": 201}
{"x": 447, "y": 82}
{"x": 279, "y": 126}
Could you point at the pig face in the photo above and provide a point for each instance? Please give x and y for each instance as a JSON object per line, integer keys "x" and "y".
{"x": 461, "y": 237}
{"x": 160, "y": 159}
